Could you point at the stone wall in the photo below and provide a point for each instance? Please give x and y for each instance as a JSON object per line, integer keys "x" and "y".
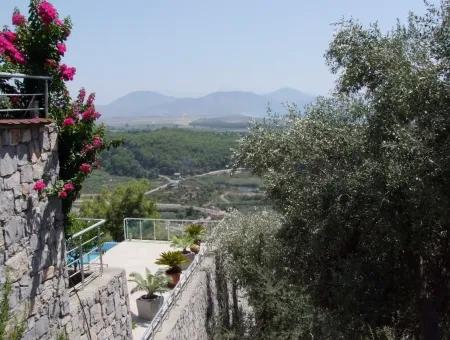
{"x": 31, "y": 229}
{"x": 205, "y": 301}
{"x": 32, "y": 245}
{"x": 105, "y": 305}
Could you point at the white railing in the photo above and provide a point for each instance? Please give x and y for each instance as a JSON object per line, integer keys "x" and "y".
{"x": 38, "y": 101}
{"x": 84, "y": 248}
{"x": 159, "y": 229}
{"x": 170, "y": 300}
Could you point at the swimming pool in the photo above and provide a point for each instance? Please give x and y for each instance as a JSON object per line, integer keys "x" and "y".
{"x": 94, "y": 254}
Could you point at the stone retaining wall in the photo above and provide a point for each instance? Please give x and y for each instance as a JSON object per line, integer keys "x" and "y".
{"x": 105, "y": 305}
{"x": 32, "y": 245}
{"x": 205, "y": 302}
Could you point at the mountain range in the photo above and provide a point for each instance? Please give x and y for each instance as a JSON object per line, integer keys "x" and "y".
{"x": 217, "y": 104}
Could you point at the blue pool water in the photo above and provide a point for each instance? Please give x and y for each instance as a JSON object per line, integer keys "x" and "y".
{"x": 95, "y": 253}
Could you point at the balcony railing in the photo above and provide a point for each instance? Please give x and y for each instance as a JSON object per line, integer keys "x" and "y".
{"x": 15, "y": 104}
{"x": 159, "y": 229}
{"x": 84, "y": 253}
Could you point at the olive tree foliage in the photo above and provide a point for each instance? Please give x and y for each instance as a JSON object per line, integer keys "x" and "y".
{"x": 363, "y": 182}
{"x": 251, "y": 253}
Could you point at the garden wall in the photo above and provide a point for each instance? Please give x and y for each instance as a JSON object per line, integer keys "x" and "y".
{"x": 205, "y": 304}
{"x": 105, "y": 307}
{"x": 32, "y": 246}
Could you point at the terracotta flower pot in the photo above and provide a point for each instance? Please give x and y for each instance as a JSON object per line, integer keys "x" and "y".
{"x": 174, "y": 275}
{"x": 195, "y": 248}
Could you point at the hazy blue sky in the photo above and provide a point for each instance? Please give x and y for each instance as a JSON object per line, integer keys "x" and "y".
{"x": 192, "y": 47}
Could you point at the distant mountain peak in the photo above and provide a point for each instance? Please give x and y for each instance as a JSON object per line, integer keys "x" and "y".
{"x": 216, "y": 104}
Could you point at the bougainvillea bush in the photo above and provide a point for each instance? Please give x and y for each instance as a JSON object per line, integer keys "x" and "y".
{"x": 36, "y": 46}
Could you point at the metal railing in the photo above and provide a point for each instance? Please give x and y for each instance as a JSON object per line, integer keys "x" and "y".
{"x": 84, "y": 253}
{"x": 170, "y": 300}
{"x": 159, "y": 229}
{"x": 33, "y": 106}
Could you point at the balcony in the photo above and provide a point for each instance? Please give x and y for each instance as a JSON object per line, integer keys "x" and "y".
{"x": 24, "y": 99}
{"x": 145, "y": 239}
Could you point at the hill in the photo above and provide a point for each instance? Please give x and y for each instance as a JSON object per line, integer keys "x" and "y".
{"x": 166, "y": 151}
{"x": 217, "y": 104}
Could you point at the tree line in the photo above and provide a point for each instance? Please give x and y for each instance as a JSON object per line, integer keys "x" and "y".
{"x": 146, "y": 154}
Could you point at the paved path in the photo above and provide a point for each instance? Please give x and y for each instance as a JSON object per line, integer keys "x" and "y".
{"x": 135, "y": 256}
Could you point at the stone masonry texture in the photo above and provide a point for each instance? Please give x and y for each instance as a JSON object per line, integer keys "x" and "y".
{"x": 32, "y": 249}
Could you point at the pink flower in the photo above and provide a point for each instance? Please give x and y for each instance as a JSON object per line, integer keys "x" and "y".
{"x": 61, "y": 47}
{"x": 85, "y": 168}
{"x": 90, "y": 99}
{"x": 47, "y": 12}
{"x": 62, "y": 194}
{"x": 97, "y": 142}
{"x": 8, "y": 49}
{"x": 69, "y": 121}
{"x": 18, "y": 19}
{"x": 81, "y": 95}
{"x": 10, "y": 36}
{"x": 69, "y": 187}
{"x": 58, "y": 22}
{"x": 40, "y": 186}
{"x": 67, "y": 73}
{"x": 19, "y": 58}
{"x": 90, "y": 114}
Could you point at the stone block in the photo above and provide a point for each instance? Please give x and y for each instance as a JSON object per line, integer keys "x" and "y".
{"x": 26, "y": 135}
{"x": 53, "y": 141}
{"x": 96, "y": 314}
{"x": 22, "y": 154}
{"x": 6, "y": 137}
{"x": 34, "y": 151}
{"x": 38, "y": 170}
{"x": 12, "y": 181}
{"x": 8, "y": 160}
{"x": 6, "y": 204}
{"x": 26, "y": 174}
{"x": 17, "y": 266}
{"x": 14, "y": 229}
{"x": 41, "y": 326}
{"x": 15, "y": 136}
{"x": 45, "y": 141}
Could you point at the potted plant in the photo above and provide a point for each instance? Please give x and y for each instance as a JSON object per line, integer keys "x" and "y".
{"x": 174, "y": 260}
{"x": 149, "y": 303}
{"x": 196, "y": 232}
{"x": 184, "y": 242}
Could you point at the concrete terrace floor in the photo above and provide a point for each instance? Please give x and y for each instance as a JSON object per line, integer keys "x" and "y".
{"x": 135, "y": 256}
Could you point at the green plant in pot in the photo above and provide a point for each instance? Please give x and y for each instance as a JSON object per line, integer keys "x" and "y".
{"x": 174, "y": 260}
{"x": 184, "y": 242}
{"x": 149, "y": 303}
{"x": 196, "y": 232}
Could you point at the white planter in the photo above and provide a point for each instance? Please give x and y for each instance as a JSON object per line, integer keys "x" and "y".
{"x": 147, "y": 308}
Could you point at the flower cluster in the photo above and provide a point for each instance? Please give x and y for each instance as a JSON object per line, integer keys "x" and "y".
{"x": 66, "y": 190}
{"x": 47, "y": 12}
{"x": 37, "y": 47}
{"x": 8, "y": 49}
{"x": 61, "y": 47}
{"x": 18, "y": 19}
{"x": 67, "y": 73}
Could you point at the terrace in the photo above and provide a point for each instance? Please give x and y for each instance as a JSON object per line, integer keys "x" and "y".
{"x": 145, "y": 239}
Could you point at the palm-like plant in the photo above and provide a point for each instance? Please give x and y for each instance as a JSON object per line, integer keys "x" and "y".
{"x": 172, "y": 259}
{"x": 196, "y": 232}
{"x": 149, "y": 283}
{"x": 183, "y": 242}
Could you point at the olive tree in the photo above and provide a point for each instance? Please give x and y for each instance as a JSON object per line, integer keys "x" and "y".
{"x": 363, "y": 181}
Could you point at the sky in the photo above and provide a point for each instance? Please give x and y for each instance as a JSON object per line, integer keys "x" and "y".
{"x": 195, "y": 47}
